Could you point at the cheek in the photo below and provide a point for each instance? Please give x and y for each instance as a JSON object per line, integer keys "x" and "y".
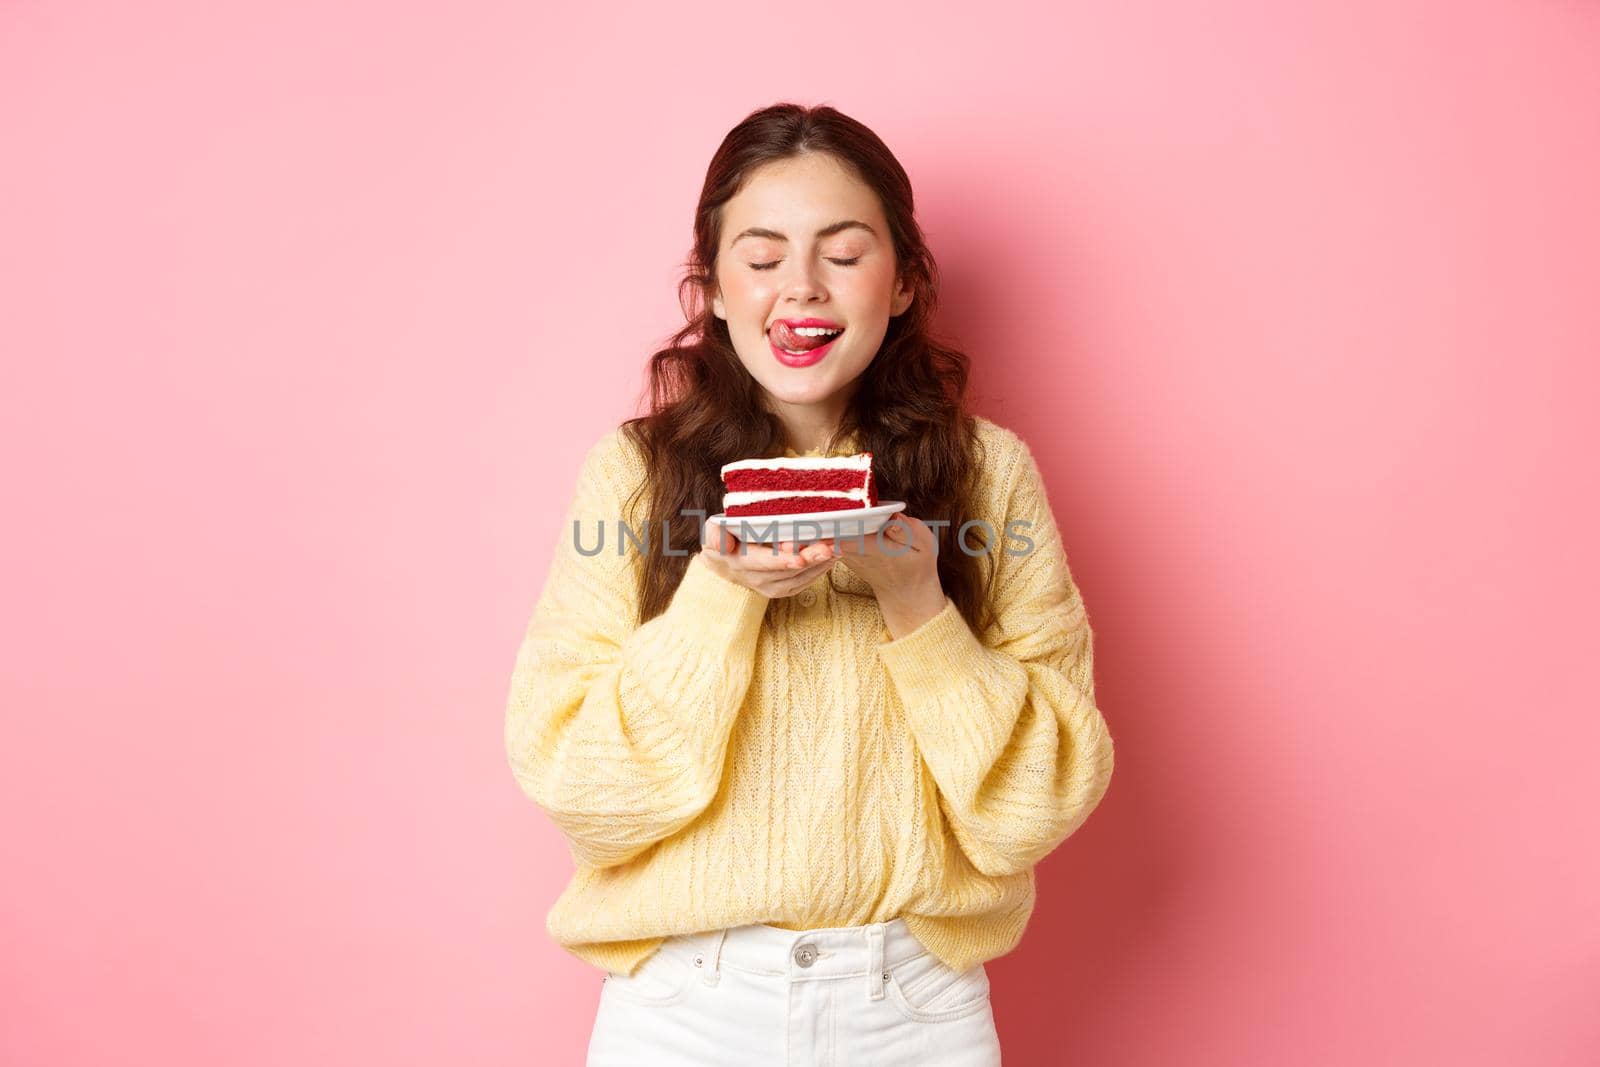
{"x": 744, "y": 293}
{"x": 874, "y": 285}
{"x": 736, "y": 277}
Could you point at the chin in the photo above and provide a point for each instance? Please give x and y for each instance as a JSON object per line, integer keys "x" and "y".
{"x": 814, "y": 393}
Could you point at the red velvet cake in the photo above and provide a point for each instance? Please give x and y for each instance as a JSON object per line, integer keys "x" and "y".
{"x": 793, "y": 485}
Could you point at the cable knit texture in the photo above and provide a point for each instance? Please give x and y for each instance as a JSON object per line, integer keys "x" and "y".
{"x": 739, "y": 759}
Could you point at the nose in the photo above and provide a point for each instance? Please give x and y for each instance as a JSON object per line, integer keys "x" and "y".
{"x": 803, "y": 284}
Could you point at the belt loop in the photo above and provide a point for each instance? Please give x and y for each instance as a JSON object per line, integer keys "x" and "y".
{"x": 714, "y": 971}
{"x": 876, "y": 972}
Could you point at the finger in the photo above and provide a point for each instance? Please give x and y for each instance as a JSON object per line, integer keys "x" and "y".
{"x": 807, "y": 560}
{"x": 784, "y": 549}
{"x": 760, "y": 557}
{"x": 717, "y": 538}
{"x": 818, "y": 552}
{"x": 813, "y": 551}
{"x": 787, "y": 584}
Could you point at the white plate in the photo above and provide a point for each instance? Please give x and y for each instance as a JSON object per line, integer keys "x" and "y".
{"x": 806, "y": 527}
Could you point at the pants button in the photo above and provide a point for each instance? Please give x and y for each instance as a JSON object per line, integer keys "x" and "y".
{"x": 805, "y": 955}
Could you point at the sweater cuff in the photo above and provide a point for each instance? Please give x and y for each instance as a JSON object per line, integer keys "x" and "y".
{"x": 934, "y": 659}
{"x": 713, "y": 610}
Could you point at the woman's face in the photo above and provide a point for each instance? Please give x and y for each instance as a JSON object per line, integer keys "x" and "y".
{"x": 805, "y": 239}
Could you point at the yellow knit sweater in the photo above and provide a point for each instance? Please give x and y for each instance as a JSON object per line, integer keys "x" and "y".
{"x": 739, "y": 759}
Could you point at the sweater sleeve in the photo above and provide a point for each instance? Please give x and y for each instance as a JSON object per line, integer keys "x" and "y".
{"x": 1008, "y": 724}
{"x": 618, "y": 730}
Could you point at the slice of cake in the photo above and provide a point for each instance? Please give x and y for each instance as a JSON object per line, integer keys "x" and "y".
{"x": 792, "y": 485}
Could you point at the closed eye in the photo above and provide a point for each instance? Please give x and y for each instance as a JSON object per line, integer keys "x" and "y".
{"x": 841, "y": 262}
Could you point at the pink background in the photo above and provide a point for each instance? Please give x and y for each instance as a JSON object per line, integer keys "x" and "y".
{"x": 310, "y": 310}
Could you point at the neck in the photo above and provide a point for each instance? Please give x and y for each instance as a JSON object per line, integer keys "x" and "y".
{"x": 808, "y": 443}
{"x": 810, "y": 427}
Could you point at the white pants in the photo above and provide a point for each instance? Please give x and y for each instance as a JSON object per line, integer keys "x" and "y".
{"x": 761, "y": 996}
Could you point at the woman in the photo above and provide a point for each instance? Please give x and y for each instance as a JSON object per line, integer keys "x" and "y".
{"x": 805, "y": 789}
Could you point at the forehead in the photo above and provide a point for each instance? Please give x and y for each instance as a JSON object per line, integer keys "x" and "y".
{"x": 800, "y": 195}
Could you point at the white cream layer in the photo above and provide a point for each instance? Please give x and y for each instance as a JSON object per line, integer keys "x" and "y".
{"x": 861, "y": 461}
{"x": 733, "y": 500}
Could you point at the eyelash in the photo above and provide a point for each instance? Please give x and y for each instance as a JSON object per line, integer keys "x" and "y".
{"x": 841, "y": 262}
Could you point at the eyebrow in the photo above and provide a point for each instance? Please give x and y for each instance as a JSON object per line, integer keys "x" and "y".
{"x": 827, "y": 231}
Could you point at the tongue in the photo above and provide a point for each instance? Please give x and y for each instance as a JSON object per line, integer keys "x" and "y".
{"x": 787, "y": 338}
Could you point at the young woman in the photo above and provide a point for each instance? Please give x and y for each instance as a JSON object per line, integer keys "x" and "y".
{"x": 805, "y": 789}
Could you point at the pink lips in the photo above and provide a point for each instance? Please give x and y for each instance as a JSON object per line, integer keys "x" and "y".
{"x": 804, "y": 359}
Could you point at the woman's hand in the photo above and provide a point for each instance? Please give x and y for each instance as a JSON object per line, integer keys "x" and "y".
{"x": 756, "y": 566}
{"x": 901, "y": 563}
